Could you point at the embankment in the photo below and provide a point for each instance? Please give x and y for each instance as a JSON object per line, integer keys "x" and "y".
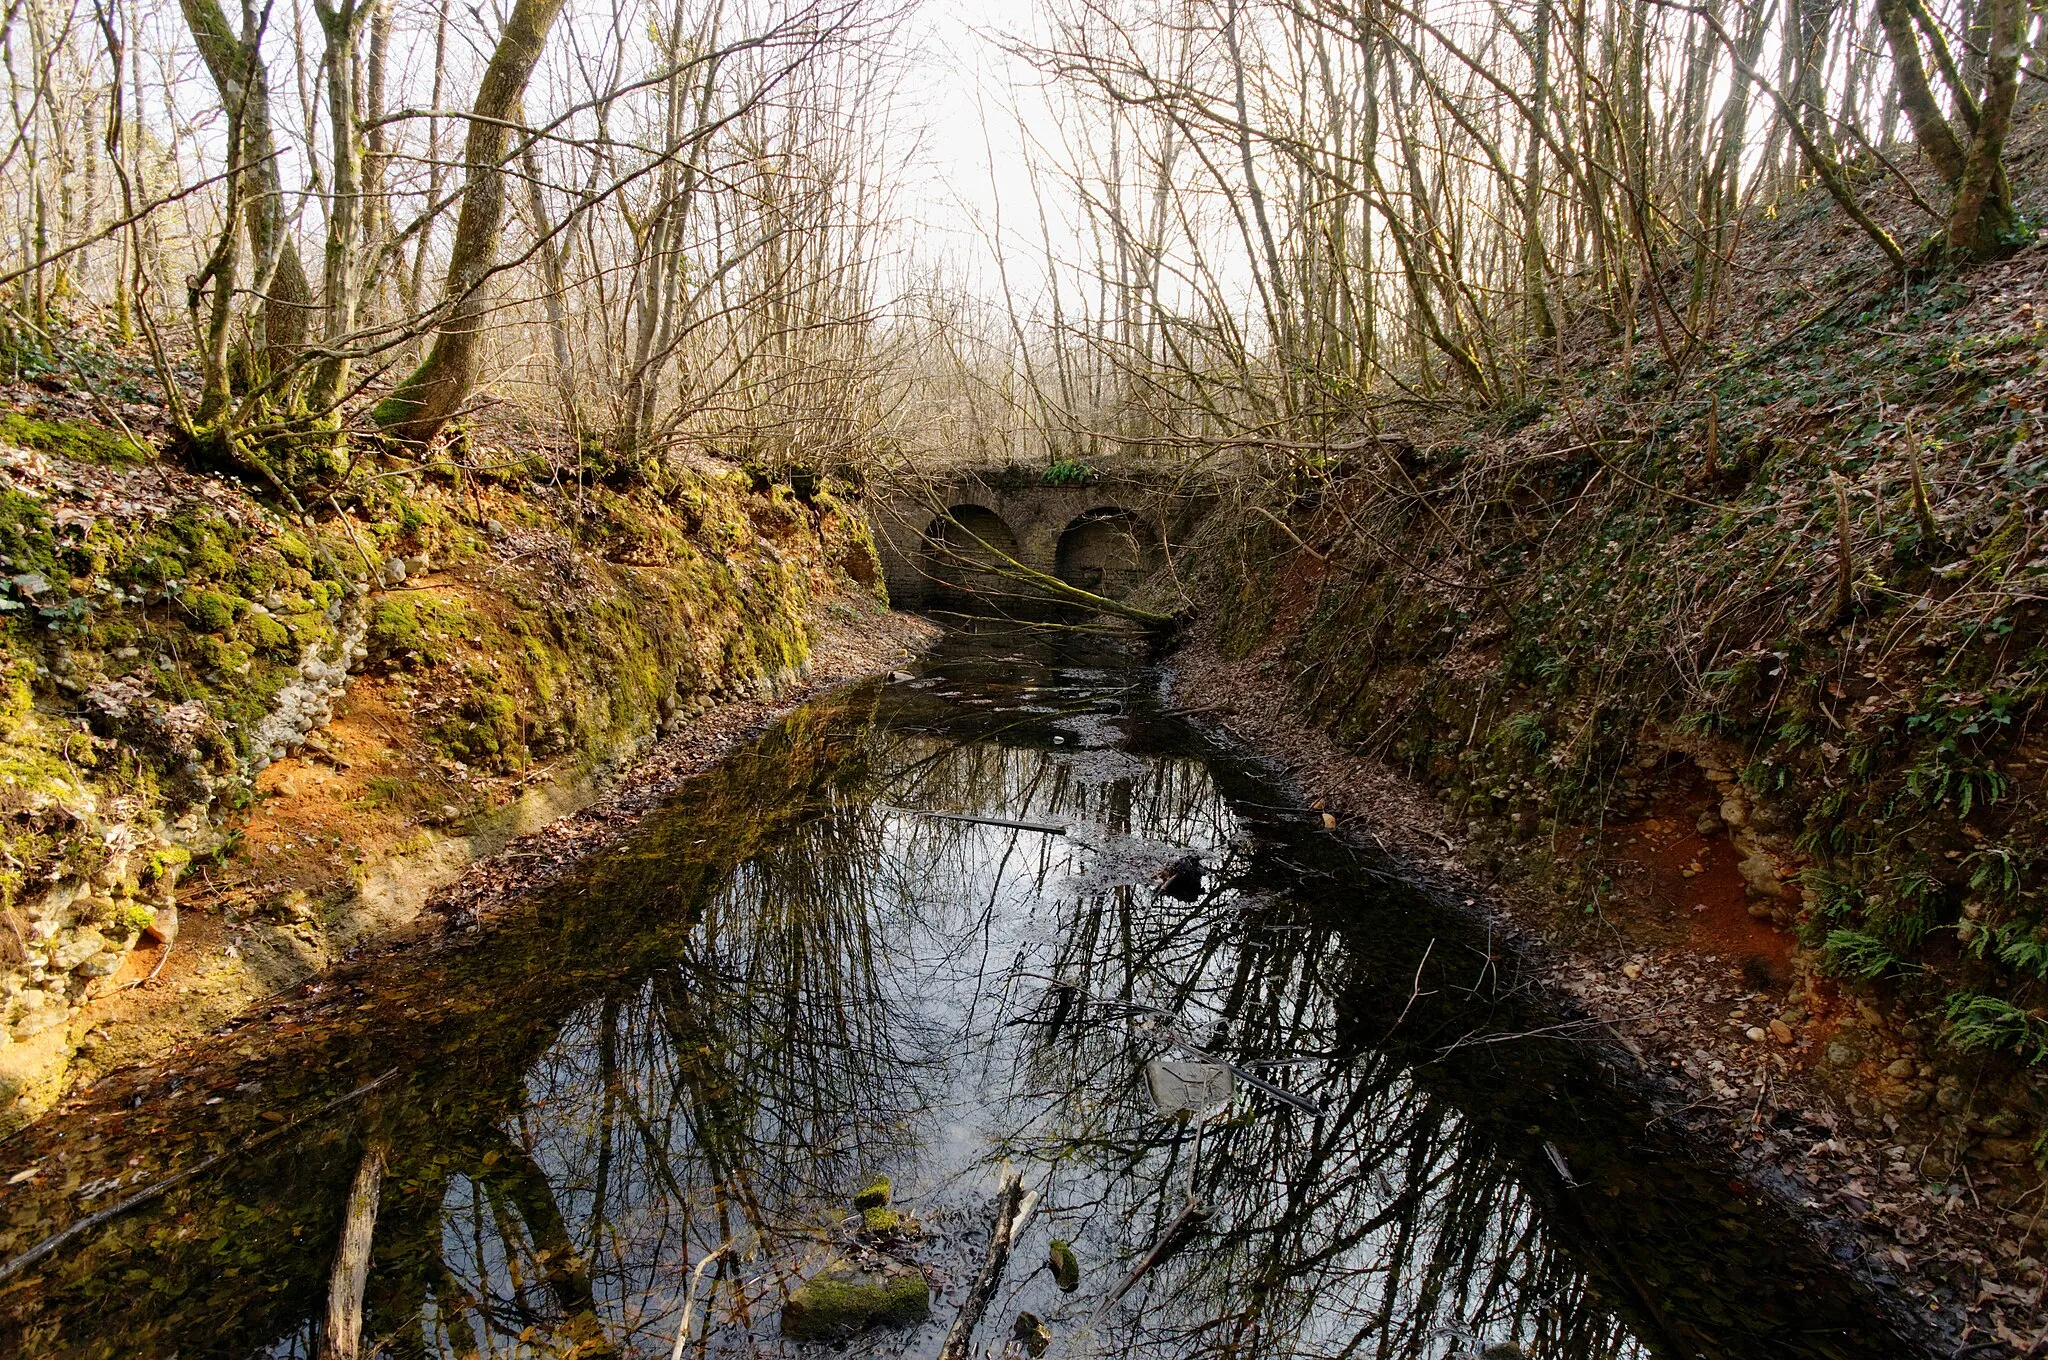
{"x": 236, "y": 743}
{"x": 1727, "y": 675}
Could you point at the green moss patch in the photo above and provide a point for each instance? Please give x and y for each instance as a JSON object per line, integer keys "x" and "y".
{"x": 844, "y": 1299}
{"x": 86, "y": 443}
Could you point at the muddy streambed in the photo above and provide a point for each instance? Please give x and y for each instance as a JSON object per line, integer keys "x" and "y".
{"x": 793, "y": 980}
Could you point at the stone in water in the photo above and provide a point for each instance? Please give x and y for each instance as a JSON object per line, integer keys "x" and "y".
{"x": 1189, "y": 1087}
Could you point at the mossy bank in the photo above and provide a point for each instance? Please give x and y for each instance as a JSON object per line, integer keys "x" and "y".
{"x": 269, "y": 734}
{"x": 1787, "y": 593}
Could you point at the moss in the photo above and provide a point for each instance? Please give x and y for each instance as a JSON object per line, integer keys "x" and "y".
{"x": 67, "y": 440}
{"x": 25, "y": 535}
{"x": 130, "y": 918}
{"x": 394, "y": 629}
{"x": 881, "y": 1222}
{"x": 214, "y": 611}
{"x": 485, "y": 732}
{"x": 266, "y": 634}
{"x": 1065, "y": 1267}
{"x": 843, "y": 1300}
{"x": 293, "y": 549}
{"x": 875, "y": 1195}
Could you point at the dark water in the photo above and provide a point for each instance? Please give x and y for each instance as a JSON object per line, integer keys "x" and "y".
{"x": 783, "y": 984}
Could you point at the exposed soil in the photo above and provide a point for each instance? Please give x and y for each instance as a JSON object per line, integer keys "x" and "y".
{"x": 1677, "y": 962}
{"x": 251, "y": 927}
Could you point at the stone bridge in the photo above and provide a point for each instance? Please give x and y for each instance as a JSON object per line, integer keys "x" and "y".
{"x": 948, "y": 539}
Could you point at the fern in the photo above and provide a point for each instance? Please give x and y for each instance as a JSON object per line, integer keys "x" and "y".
{"x": 1853, "y": 953}
{"x": 1994, "y": 870}
{"x": 1989, "y": 1024}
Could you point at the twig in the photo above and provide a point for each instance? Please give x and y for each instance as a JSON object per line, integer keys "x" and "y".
{"x": 690, "y": 1297}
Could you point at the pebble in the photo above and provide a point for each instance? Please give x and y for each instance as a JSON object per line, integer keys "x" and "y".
{"x": 1781, "y": 1031}
{"x": 1755, "y": 1033}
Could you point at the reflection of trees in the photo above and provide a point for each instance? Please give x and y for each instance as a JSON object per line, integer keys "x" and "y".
{"x": 779, "y": 987}
{"x": 1420, "y": 1210}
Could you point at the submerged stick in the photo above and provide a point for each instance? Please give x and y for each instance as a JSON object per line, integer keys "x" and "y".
{"x": 690, "y": 1297}
{"x": 341, "y": 1339}
{"x": 1045, "y": 827}
{"x": 84, "y": 1225}
{"x": 1013, "y": 1208}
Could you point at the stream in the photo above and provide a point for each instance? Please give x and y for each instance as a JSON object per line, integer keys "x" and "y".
{"x": 793, "y": 978}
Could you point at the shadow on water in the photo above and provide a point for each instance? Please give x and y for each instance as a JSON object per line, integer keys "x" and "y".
{"x": 790, "y": 980}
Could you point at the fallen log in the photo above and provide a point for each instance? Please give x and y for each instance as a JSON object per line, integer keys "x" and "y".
{"x": 1013, "y": 1208}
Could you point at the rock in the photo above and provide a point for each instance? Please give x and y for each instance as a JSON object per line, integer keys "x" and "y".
{"x": 163, "y": 927}
{"x": 1760, "y": 872}
{"x": 419, "y": 564}
{"x": 1709, "y": 823}
{"x": 881, "y": 1222}
{"x": 1781, "y": 1031}
{"x": 1631, "y": 971}
{"x": 39, "y": 1022}
{"x": 876, "y": 1195}
{"x": 2011, "y": 1151}
{"x": 82, "y": 945}
{"x": 901, "y": 676}
{"x": 103, "y": 964}
{"x": 1755, "y": 1034}
{"x": 394, "y": 570}
{"x": 1066, "y": 1269}
{"x": 1182, "y": 879}
{"x": 495, "y": 529}
{"x": 1901, "y": 1069}
{"x": 1033, "y": 1333}
{"x": 1840, "y": 1054}
{"x": 845, "y": 1299}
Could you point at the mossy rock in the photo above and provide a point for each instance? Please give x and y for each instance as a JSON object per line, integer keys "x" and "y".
{"x": 876, "y": 1195}
{"x": 266, "y": 634}
{"x": 1031, "y": 1332}
{"x": 1065, "y": 1267}
{"x": 845, "y": 1299}
{"x": 881, "y": 1222}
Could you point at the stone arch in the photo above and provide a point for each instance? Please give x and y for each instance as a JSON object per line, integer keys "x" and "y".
{"x": 1109, "y": 550}
{"x": 963, "y": 548}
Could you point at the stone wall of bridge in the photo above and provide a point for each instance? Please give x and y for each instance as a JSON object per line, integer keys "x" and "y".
{"x": 1107, "y": 536}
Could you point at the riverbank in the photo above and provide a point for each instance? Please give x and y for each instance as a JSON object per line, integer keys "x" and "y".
{"x": 1712, "y": 1005}
{"x": 239, "y": 741}
{"x": 209, "y": 982}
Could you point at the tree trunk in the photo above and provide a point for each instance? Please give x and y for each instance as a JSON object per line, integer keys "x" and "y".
{"x": 1983, "y": 210}
{"x": 337, "y": 280}
{"x": 1930, "y": 129}
{"x": 427, "y": 400}
{"x": 239, "y": 76}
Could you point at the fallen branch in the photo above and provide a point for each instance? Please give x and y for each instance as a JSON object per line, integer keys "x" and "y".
{"x": 113, "y": 1211}
{"x": 1013, "y": 1208}
{"x": 1045, "y": 827}
{"x": 690, "y": 1297}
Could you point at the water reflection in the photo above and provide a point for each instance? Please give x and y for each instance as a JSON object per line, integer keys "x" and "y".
{"x": 794, "y": 979}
